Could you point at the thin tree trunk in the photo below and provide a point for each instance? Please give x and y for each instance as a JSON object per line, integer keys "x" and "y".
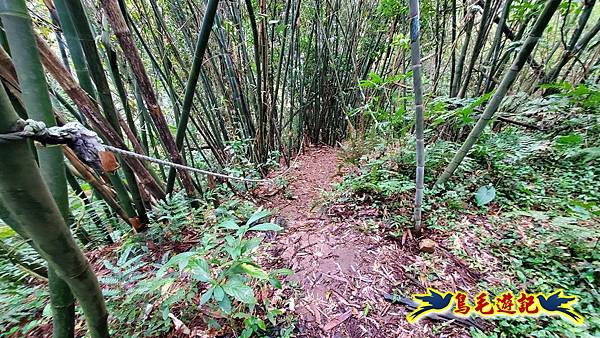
{"x": 463, "y": 54}
{"x": 479, "y": 44}
{"x": 453, "y": 53}
{"x": 509, "y": 78}
{"x": 129, "y": 48}
{"x": 418, "y": 90}
{"x": 77, "y": 55}
{"x": 190, "y": 88}
{"x": 571, "y": 48}
{"x": 495, "y": 51}
{"x": 570, "y": 54}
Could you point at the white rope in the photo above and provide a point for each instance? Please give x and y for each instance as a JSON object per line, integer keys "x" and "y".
{"x": 75, "y": 131}
{"x": 181, "y": 166}
{"x": 206, "y": 172}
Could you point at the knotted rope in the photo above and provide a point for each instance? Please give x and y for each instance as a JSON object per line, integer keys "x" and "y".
{"x": 88, "y": 146}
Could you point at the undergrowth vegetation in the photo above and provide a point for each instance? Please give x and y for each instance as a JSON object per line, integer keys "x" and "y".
{"x": 194, "y": 266}
{"x": 538, "y": 188}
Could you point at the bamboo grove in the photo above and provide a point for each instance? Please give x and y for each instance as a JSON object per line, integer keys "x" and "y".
{"x": 206, "y": 83}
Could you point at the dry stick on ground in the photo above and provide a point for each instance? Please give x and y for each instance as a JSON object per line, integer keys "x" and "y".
{"x": 507, "y": 81}
{"x": 129, "y": 48}
{"x": 91, "y": 111}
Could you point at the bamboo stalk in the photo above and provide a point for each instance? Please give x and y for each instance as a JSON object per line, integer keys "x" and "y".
{"x": 88, "y": 107}
{"x": 38, "y": 106}
{"x": 132, "y": 55}
{"x": 571, "y": 47}
{"x": 190, "y": 88}
{"x": 418, "y": 92}
{"x": 26, "y": 196}
{"x": 508, "y": 79}
{"x": 479, "y": 44}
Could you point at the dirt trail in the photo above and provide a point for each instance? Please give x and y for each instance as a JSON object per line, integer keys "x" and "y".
{"x": 341, "y": 271}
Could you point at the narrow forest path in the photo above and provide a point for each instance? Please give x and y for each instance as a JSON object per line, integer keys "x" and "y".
{"x": 341, "y": 272}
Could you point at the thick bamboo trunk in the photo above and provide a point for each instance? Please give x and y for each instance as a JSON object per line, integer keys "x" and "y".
{"x": 37, "y": 103}
{"x": 26, "y": 196}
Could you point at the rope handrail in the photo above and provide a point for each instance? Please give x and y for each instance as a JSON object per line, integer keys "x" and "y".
{"x": 87, "y": 145}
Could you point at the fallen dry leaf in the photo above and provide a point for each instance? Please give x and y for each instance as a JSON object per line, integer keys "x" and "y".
{"x": 339, "y": 319}
{"x": 179, "y": 325}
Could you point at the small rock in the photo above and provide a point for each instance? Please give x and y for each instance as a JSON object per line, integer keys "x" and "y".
{"x": 210, "y": 216}
{"x": 427, "y": 245}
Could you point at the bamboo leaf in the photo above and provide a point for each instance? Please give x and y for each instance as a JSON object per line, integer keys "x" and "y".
{"x": 266, "y": 227}
{"x": 258, "y": 215}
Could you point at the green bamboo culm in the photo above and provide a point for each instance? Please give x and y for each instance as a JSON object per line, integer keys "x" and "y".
{"x": 72, "y": 12}
{"x": 25, "y": 195}
{"x": 68, "y": 269}
{"x": 38, "y": 271}
{"x": 190, "y": 88}
{"x": 75, "y": 49}
{"x": 415, "y": 49}
{"x": 37, "y": 103}
{"x": 509, "y": 78}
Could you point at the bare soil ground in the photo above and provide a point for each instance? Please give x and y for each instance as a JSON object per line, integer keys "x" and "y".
{"x": 342, "y": 271}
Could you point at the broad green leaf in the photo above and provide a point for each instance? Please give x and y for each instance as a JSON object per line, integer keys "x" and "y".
{"x": 266, "y": 227}
{"x": 254, "y": 271}
{"x": 251, "y": 244}
{"x": 225, "y": 305}
{"x": 200, "y": 270}
{"x": 206, "y": 296}
{"x": 485, "y": 195}
{"x": 238, "y": 290}
{"x": 275, "y": 282}
{"x": 229, "y": 224}
{"x": 258, "y": 215}
{"x": 219, "y": 294}
{"x": 230, "y": 240}
{"x": 180, "y": 260}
